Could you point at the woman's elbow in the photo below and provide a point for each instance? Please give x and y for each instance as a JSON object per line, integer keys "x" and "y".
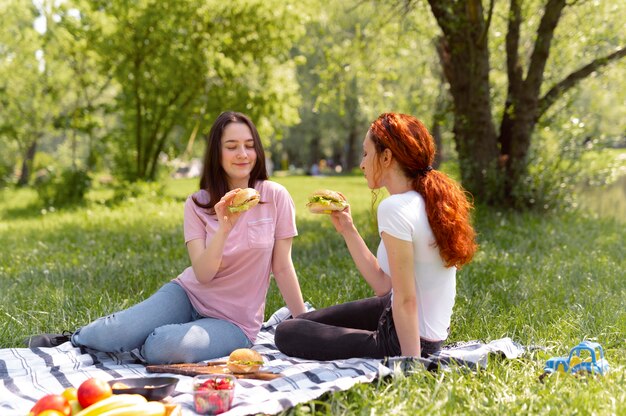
{"x": 202, "y": 276}
{"x": 407, "y": 303}
{"x": 380, "y": 292}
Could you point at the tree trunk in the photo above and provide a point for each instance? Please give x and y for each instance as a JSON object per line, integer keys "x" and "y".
{"x": 353, "y": 134}
{"x": 27, "y": 164}
{"x": 354, "y": 121}
{"x": 464, "y": 55}
{"x": 314, "y": 145}
{"x": 439, "y": 116}
{"x": 522, "y": 104}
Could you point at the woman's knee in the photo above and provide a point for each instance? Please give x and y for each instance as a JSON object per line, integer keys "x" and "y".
{"x": 286, "y": 333}
{"x": 165, "y": 346}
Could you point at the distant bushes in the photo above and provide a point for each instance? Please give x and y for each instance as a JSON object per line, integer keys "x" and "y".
{"x": 62, "y": 188}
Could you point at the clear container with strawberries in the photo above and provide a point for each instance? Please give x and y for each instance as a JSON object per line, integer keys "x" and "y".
{"x": 213, "y": 393}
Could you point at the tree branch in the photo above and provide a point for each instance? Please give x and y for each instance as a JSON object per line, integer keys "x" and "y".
{"x": 512, "y": 43}
{"x": 446, "y": 15}
{"x": 514, "y": 73}
{"x": 572, "y": 79}
{"x": 487, "y": 22}
{"x": 541, "y": 50}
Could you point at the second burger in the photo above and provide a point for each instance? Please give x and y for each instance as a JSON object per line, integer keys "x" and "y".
{"x": 325, "y": 201}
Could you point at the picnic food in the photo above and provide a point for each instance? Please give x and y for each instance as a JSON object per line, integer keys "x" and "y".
{"x": 113, "y": 404}
{"x": 213, "y": 394}
{"x": 244, "y": 199}
{"x": 244, "y": 360}
{"x": 325, "y": 201}
{"x": 51, "y": 402}
{"x": 93, "y": 390}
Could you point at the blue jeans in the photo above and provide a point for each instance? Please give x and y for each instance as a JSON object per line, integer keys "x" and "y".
{"x": 166, "y": 328}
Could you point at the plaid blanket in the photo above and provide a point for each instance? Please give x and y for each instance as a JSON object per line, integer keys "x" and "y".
{"x": 28, "y": 374}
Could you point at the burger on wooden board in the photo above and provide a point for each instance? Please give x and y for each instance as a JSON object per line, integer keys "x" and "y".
{"x": 244, "y": 360}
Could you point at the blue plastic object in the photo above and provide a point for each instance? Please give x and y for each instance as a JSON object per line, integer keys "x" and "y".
{"x": 586, "y": 357}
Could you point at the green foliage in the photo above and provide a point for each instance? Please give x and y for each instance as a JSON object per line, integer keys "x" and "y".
{"x": 7, "y": 162}
{"x": 62, "y": 188}
{"x": 548, "y": 280}
{"x": 178, "y": 65}
{"x": 357, "y": 60}
{"x": 130, "y": 191}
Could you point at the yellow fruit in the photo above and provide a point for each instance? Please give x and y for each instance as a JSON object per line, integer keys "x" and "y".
{"x": 110, "y": 403}
{"x": 70, "y": 393}
{"x": 76, "y": 407}
{"x": 50, "y": 413}
{"x": 143, "y": 409}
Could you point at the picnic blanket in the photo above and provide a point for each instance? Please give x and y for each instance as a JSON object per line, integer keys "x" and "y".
{"x": 28, "y": 374}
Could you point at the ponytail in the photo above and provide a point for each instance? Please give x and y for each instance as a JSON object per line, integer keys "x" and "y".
{"x": 448, "y": 210}
{"x": 447, "y": 204}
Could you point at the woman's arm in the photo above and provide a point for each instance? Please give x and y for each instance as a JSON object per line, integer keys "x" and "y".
{"x": 363, "y": 258}
{"x": 206, "y": 259}
{"x": 404, "y": 306}
{"x": 286, "y": 278}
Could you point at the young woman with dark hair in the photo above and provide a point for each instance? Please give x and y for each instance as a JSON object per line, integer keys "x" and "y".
{"x": 217, "y": 304}
{"x": 426, "y": 235}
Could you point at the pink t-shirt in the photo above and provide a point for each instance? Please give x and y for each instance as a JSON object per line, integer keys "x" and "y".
{"x": 238, "y": 290}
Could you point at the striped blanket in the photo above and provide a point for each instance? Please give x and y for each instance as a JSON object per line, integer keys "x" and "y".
{"x": 28, "y": 374}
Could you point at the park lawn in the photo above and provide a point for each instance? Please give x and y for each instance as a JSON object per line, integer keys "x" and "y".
{"x": 548, "y": 280}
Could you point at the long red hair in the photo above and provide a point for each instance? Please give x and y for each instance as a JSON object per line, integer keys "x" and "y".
{"x": 447, "y": 204}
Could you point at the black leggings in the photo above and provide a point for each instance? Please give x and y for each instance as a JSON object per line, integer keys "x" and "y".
{"x": 362, "y": 328}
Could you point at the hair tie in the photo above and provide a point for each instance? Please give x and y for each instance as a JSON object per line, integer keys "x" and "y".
{"x": 424, "y": 171}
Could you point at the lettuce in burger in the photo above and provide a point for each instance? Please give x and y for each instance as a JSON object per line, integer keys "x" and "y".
{"x": 244, "y": 199}
{"x": 325, "y": 201}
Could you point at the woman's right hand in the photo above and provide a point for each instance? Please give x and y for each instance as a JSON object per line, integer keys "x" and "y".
{"x": 226, "y": 219}
{"x": 342, "y": 220}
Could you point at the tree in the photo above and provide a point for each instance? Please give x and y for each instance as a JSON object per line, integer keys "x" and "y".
{"x": 353, "y": 67}
{"x": 31, "y": 80}
{"x": 494, "y": 161}
{"x": 179, "y": 63}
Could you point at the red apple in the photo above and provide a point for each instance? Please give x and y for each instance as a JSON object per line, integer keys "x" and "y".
{"x": 52, "y": 402}
{"x": 93, "y": 390}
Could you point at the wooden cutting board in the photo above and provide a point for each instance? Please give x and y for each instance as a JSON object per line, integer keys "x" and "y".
{"x": 215, "y": 367}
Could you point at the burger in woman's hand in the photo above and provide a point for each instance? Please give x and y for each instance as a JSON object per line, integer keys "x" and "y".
{"x": 244, "y": 360}
{"x": 325, "y": 201}
{"x": 244, "y": 199}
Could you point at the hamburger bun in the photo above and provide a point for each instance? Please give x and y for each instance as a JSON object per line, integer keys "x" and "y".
{"x": 244, "y": 360}
{"x": 244, "y": 199}
{"x": 325, "y": 201}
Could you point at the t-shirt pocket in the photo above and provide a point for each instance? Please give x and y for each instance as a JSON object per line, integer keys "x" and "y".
{"x": 261, "y": 233}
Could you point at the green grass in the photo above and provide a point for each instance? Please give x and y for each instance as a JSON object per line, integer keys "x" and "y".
{"x": 540, "y": 279}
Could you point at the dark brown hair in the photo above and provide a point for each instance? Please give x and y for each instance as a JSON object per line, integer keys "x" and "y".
{"x": 447, "y": 204}
{"x": 213, "y": 179}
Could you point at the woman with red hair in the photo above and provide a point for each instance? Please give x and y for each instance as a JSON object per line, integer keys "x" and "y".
{"x": 426, "y": 236}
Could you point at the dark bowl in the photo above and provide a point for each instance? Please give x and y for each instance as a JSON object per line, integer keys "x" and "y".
{"x": 152, "y": 388}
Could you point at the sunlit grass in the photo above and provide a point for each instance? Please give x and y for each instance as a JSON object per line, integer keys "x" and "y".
{"x": 549, "y": 280}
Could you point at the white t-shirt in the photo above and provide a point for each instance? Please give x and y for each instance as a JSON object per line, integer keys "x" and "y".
{"x": 403, "y": 216}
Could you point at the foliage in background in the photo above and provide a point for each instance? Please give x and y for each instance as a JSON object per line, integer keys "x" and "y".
{"x": 127, "y": 87}
{"x": 179, "y": 64}
{"x": 356, "y": 61}
{"x": 62, "y": 188}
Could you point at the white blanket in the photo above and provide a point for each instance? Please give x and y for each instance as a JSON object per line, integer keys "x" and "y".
{"x": 28, "y": 374}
